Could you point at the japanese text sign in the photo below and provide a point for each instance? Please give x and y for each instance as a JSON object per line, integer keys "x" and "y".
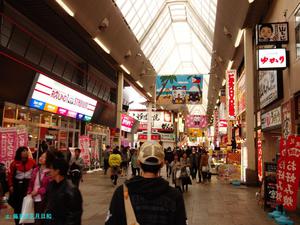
{"x": 272, "y": 33}
{"x": 230, "y": 87}
{"x": 271, "y": 118}
{"x": 196, "y": 121}
{"x": 127, "y": 123}
{"x": 274, "y": 58}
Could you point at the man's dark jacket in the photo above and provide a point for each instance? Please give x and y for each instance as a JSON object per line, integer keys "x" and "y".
{"x": 153, "y": 200}
{"x": 64, "y": 202}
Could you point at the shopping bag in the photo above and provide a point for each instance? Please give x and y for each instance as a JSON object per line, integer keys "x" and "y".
{"x": 204, "y": 168}
{"x": 27, "y": 213}
{"x": 178, "y": 174}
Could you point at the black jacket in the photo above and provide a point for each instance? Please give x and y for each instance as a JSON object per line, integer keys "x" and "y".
{"x": 64, "y": 202}
{"x": 153, "y": 200}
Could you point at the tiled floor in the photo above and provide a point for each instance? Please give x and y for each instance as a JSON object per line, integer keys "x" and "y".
{"x": 206, "y": 204}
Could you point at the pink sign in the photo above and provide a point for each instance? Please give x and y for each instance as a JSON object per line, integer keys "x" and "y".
{"x": 62, "y": 111}
{"x": 8, "y": 145}
{"x": 84, "y": 143}
{"x": 196, "y": 121}
{"x": 127, "y": 123}
{"x": 22, "y": 138}
{"x": 72, "y": 114}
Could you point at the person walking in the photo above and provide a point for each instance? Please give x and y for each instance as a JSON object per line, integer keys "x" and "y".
{"x": 38, "y": 185}
{"x": 194, "y": 160}
{"x": 176, "y": 172}
{"x": 114, "y": 163}
{"x": 147, "y": 199}
{"x": 76, "y": 167}
{"x": 125, "y": 160}
{"x": 64, "y": 200}
{"x": 20, "y": 173}
{"x": 204, "y": 167}
{"x": 105, "y": 158}
{"x": 134, "y": 164}
{"x": 185, "y": 172}
{"x": 169, "y": 157}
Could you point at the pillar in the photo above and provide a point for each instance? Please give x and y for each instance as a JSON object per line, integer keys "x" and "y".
{"x": 120, "y": 104}
{"x": 149, "y": 124}
{"x": 251, "y": 172}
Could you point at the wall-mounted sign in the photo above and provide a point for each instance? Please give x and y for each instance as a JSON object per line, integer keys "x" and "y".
{"x": 143, "y": 137}
{"x": 161, "y": 120}
{"x": 196, "y": 121}
{"x": 52, "y": 96}
{"x": 272, "y": 33}
{"x": 127, "y": 123}
{"x": 259, "y": 156}
{"x": 223, "y": 123}
{"x": 268, "y": 87}
{"x": 241, "y": 94}
{"x": 167, "y": 137}
{"x": 272, "y": 58}
{"x": 287, "y": 122}
{"x": 230, "y": 87}
{"x": 271, "y": 118}
{"x": 195, "y": 132}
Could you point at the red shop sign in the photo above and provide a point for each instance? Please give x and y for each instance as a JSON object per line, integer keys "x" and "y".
{"x": 231, "y": 80}
{"x": 259, "y": 155}
{"x": 154, "y": 137}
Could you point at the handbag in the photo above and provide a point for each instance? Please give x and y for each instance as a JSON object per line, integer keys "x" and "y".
{"x": 27, "y": 210}
{"x": 130, "y": 215}
{"x": 204, "y": 168}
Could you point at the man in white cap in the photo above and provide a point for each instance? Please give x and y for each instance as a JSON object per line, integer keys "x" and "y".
{"x": 147, "y": 199}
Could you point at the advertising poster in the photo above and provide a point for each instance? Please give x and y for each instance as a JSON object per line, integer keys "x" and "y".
{"x": 230, "y": 90}
{"x": 196, "y": 121}
{"x": 268, "y": 87}
{"x": 195, "y": 132}
{"x": 179, "y": 89}
{"x": 272, "y": 33}
{"x": 161, "y": 120}
{"x": 271, "y": 118}
{"x": 241, "y": 94}
{"x": 127, "y": 123}
{"x": 84, "y": 143}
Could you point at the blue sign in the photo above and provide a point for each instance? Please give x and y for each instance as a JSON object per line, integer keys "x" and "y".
{"x": 87, "y": 118}
{"x": 37, "y": 104}
{"x": 80, "y": 116}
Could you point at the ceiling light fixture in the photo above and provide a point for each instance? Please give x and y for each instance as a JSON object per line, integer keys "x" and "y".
{"x": 139, "y": 83}
{"x": 162, "y": 108}
{"x": 149, "y": 94}
{"x": 224, "y": 82}
{"x": 219, "y": 93}
{"x": 65, "y": 7}
{"x": 229, "y": 64}
{"x": 238, "y": 38}
{"x": 125, "y": 69}
{"x": 250, "y": 1}
{"x": 218, "y": 100}
{"x": 102, "y": 45}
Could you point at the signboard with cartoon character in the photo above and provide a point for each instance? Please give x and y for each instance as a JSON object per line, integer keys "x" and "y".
{"x": 179, "y": 89}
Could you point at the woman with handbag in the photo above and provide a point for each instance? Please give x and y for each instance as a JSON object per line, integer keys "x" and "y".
{"x": 185, "y": 172}
{"x": 18, "y": 179}
{"x": 38, "y": 186}
{"x": 176, "y": 172}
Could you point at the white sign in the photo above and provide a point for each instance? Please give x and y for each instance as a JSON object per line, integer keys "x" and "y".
{"x": 167, "y": 137}
{"x": 271, "y": 119}
{"x": 268, "y": 87}
{"x": 55, "y": 97}
{"x": 161, "y": 120}
{"x": 272, "y": 58}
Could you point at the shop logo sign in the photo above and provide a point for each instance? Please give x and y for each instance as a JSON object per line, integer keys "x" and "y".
{"x": 231, "y": 80}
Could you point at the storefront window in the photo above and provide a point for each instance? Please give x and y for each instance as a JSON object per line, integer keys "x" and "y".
{"x": 22, "y": 114}
{"x": 55, "y": 121}
{"x": 45, "y": 119}
{"x": 34, "y": 116}
{"x": 297, "y": 32}
{"x": 64, "y": 122}
{"x": 10, "y": 112}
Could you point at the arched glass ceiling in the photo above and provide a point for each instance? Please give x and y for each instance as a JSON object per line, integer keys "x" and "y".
{"x": 175, "y": 35}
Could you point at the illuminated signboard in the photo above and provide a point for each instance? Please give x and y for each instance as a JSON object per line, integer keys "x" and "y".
{"x": 275, "y": 58}
{"x": 127, "y": 123}
{"x": 230, "y": 87}
{"x": 52, "y": 96}
{"x": 272, "y": 33}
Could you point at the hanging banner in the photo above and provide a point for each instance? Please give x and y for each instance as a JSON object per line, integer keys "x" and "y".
{"x": 286, "y": 112}
{"x": 272, "y": 33}
{"x": 271, "y": 118}
{"x": 22, "y": 137}
{"x": 196, "y": 121}
{"x": 241, "y": 94}
{"x": 288, "y": 172}
{"x": 161, "y": 120}
{"x": 230, "y": 88}
{"x": 8, "y": 145}
{"x": 195, "y": 132}
{"x": 216, "y": 125}
{"x": 259, "y": 156}
{"x": 84, "y": 143}
{"x": 268, "y": 87}
{"x": 179, "y": 89}
{"x": 126, "y": 123}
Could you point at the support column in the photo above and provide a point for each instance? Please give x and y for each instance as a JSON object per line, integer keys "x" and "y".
{"x": 120, "y": 104}
{"x": 149, "y": 125}
{"x": 251, "y": 173}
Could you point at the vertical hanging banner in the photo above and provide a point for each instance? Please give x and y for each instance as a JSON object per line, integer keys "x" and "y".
{"x": 230, "y": 89}
{"x": 216, "y": 125}
{"x": 288, "y": 173}
{"x": 259, "y": 156}
{"x": 84, "y": 143}
{"x": 286, "y": 119}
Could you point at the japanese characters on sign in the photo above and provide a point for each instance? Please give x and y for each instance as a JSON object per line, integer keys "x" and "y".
{"x": 241, "y": 94}
{"x": 275, "y": 58}
{"x": 161, "y": 120}
{"x": 231, "y": 80}
{"x": 196, "y": 121}
{"x": 216, "y": 125}
{"x": 84, "y": 143}
{"x": 286, "y": 119}
{"x": 271, "y": 118}
{"x": 268, "y": 87}
{"x": 288, "y": 172}
{"x": 259, "y": 156}
{"x": 272, "y": 33}
{"x": 127, "y": 123}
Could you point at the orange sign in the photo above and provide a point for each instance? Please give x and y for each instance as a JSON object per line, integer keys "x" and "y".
{"x": 50, "y": 108}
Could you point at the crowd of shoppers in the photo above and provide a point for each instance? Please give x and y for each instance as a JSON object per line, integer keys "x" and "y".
{"x": 44, "y": 179}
